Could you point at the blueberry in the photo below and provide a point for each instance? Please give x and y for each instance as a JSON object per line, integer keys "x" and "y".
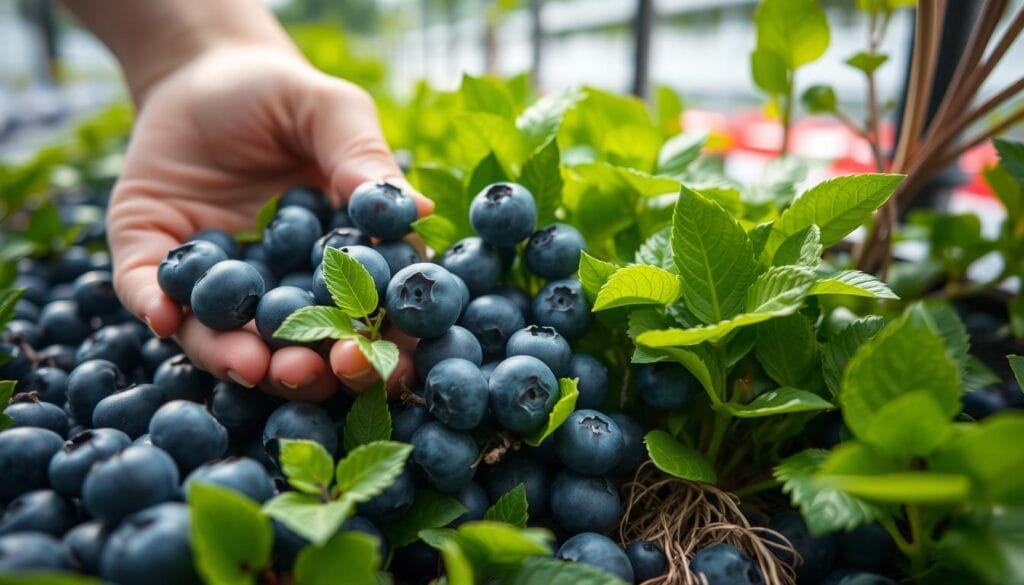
{"x": 724, "y": 564}
{"x": 456, "y": 393}
{"x": 156, "y": 351}
{"x": 71, "y": 264}
{"x": 303, "y": 280}
{"x": 590, "y": 442}
{"x": 151, "y": 548}
{"x": 593, "y": 380}
{"x": 406, "y": 419}
{"x": 26, "y": 310}
{"x": 28, "y": 411}
{"x": 553, "y": 251}
{"x": 32, "y": 551}
{"x": 20, "y": 330}
{"x": 129, "y": 410}
{"x": 634, "y": 453}
{"x": 447, "y": 456}
{"x": 39, "y": 511}
{"x": 364, "y": 526}
{"x": 63, "y": 324}
{"x": 275, "y": 307}
{"x": 299, "y": 420}
{"x": 416, "y": 563}
{"x": 183, "y": 266}
{"x": 226, "y": 296}
{"x": 133, "y": 479}
{"x": 114, "y": 343}
{"x": 241, "y": 474}
{"x": 517, "y": 296}
{"x": 374, "y": 263}
{"x": 337, "y": 238}
{"x": 869, "y": 547}
{"x": 17, "y": 365}
{"x": 522, "y": 393}
{"x": 543, "y": 343}
{"x": 270, "y": 279}
{"x": 289, "y": 238}
{"x": 818, "y": 552}
{"x": 398, "y": 254}
{"x": 382, "y": 210}
{"x": 86, "y": 542}
{"x": 36, "y": 287}
{"x": 94, "y": 293}
{"x": 561, "y": 304}
{"x": 474, "y": 499}
{"x": 179, "y": 379}
{"x": 219, "y": 238}
{"x": 188, "y": 433}
{"x": 287, "y": 545}
{"x": 312, "y": 199}
{"x": 61, "y": 292}
{"x": 667, "y": 386}
{"x": 24, "y": 455}
{"x": 464, "y": 295}
{"x": 239, "y": 409}
{"x": 598, "y": 551}
{"x": 487, "y": 369}
{"x": 340, "y": 218}
{"x": 456, "y": 342}
{"x": 58, "y": 356}
{"x": 49, "y": 384}
{"x": 423, "y": 300}
{"x": 503, "y": 214}
{"x": 89, "y": 383}
{"x": 492, "y": 319}
{"x": 584, "y": 503}
{"x": 647, "y": 559}
{"x": 517, "y": 469}
{"x": 70, "y": 465}
{"x": 476, "y": 262}
{"x": 395, "y": 500}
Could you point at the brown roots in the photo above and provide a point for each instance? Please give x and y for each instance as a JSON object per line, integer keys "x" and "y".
{"x": 684, "y": 517}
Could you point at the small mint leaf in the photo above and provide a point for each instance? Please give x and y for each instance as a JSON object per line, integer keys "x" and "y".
{"x": 307, "y": 465}
{"x": 511, "y": 508}
{"x": 382, "y": 355}
{"x": 349, "y": 283}
{"x": 310, "y": 324}
{"x": 266, "y": 213}
{"x": 568, "y": 393}
{"x": 369, "y": 419}
{"x": 370, "y": 469}
{"x": 230, "y": 535}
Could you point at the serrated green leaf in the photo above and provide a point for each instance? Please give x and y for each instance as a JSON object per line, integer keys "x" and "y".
{"x": 838, "y": 351}
{"x": 429, "y": 510}
{"x": 866, "y": 61}
{"x": 498, "y": 545}
{"x": 488, "y": 171}
{"x": 451, "y": 202}
{"x": 678, "y": 459}
{"x": 310, "y": 324}
{"x": 231, "y": 538}
{"x": 802, "y": 248}
{"x": 307, "y": 516}
{"x": 511, "y": 508}
{"x": 989, "y": 540}
{"x": 713, "y": 256}
{"x": 559, "y": 572}
{"x": 351, "y": 557}
{"x": 480, "y": 135}
{"x": 266, "y": 213}
{"x": 779, "y": 401}
{"x": 308, "y": 467}
{"x": 795, "y": 29}
{"x": 853, "y": 282}
{"x": 368, "y": 420}
{"x": 759, "y": 237}
{"x": 350, "y": 284}
{"x": 947, "y": 322}
{"x": 837, "y": 206}
{"x": 825, "y": 509}
{"x": 787, "y": 348}
{"x": 486, "y": 94}
{"x": 593, "y": 273}
{"x": 8, "y": 301}
{"x": 542, "y": 176}
{"x": 976, "y": 375}
{"x": 988, "y": 453}
{"x": 657, "y": 250}
{"x": 678, "y": 152}
{"x": 438, "y": 232}
{"x": 638, "y": 285}
{"x": 541, "y": 121}
{"x": 381, "y": 353}
{"x": 819, "y": 99}
{"x": 912, "y": 424}
{"x": 369, "y": 469}
{"x": 568, "y": 393}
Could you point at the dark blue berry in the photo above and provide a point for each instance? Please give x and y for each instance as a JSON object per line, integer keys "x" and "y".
{"x": 492, "y": 319}
{"x": 522, "y": 393}
{"x": 456, "y": 393}
{"x": 89, "y": 383}
{"x": 667, "y": 386}
{"x": 561, "y": 304}
{"x": 226, "y": 296}
{"x": 474, "y": 499}
{"x": 590, "y": 442}
{"x": 70, "y": 465}
{"x": 241, "y": 474}
{"x": 155, "y": 351}
{"x": 151, "y": 547}
{"x": 503, "y": 214}
{"x": 382, "y": 210}
{"x": 446, "y": 456}
{"x": 553, "y": 251}
{"x": 27, "y": 410}
{"x": 275, "y": 306}
{"x": 634, "y": 453}
{"x": 543, "y": 343}
{"x": 313, "y": 199}
{"x": 86, "y": 542}
{"x": 398, "y": 254}
{"x": 818, "y": 552}
{"x": 598, "y": 551}
{"x": 133, "y": 479}
{"x": 395, "y": 500}
{"x": 221, "y": 239}
{"x": 50, "y": 384}
{"x": 337, "y": 238}
{"x": 515, "y": 469}
{"x": 584, "y": 503}
{"x": 129, "y": 410}
{"x": 179, "y": 379}
{"x": 188, "y": 433}
{"x": 183, "y": 266}
{"x": 593, "y": 380}
{"x": 476, "y": 262}
{"x": 423, "y": 300}
{"x": 289, "y": 237}
{"x": 456, "y": 342}
{"x": 115, "y": 343}
{"x": 63, "y": 324}
{"x": 33, "y": 551}
{"x": 299, "y": 420}
{"x": 724, "y": 564}
{"x": 647, "y": 558}
{"x": 39, "y": 511}
{"x": 94, "y": 293}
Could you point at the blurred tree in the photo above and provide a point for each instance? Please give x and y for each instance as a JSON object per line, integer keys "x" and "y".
{"x": 354, "y": 15}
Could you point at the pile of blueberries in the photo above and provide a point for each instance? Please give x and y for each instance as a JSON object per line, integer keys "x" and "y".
{"x": 111, "y": 424}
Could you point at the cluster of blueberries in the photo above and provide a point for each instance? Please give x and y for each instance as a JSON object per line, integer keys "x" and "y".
{"x": 111, "y": 424}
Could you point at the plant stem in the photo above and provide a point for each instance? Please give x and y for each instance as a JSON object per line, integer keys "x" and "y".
{"x": 872, "y": 134}
{"x": 787, "y": 115}
{"x": 758, "y": 487}
{"x": 720, "y": 425}
{"x": 916, "y": 552}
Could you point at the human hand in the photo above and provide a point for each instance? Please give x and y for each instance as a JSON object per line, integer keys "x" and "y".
{"x": 214, "y": 140}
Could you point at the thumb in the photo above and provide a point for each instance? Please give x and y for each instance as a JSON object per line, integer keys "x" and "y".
{"x": 346, "y": 140}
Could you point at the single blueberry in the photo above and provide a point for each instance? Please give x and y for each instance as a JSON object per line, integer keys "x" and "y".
{"x": 32, "y": 551}
{"x": 129, "y": 410}
{"x": 374, "y": 263}
{"x": 561, "y": 304}
{"x": 18, "y": 364}
{"x": 133, "y": 479}
{"x": 423, "y": 300}
{"x": 724, "y": 564}
{"x": 299, "y": 420}
{"x": 115, "y": 343}
{"x": 226, "y": 296}
{"x": 476, "y": 262}
{"x": 86, "y": 542}
{"x": 240, "y": 474}
{"x": 593, "y": 380}
{"x": 667, "y": 386}
{"x": 94, "y": 293}
{"x": 155, "y": 351}
{"x": 456, "y": 342}
{"x": 553, "y": 251}
{"x": 492, "y": 319}
{"x": 69, "y": 466}
{"x": 474, "y": 499}
{"x": 188, "y": 433}
{"x": 398, "y": 254}
{"x": 406, "y": 419}
{"x": 456, "y": 393}
{"x": 522, "y": 393}
{"x": 275, "y": 306}
{"x": 39, "y": 511}
{"x": 241, "y": 411}
{"x": 179, "y": 379}
{"x": 27, "y": 410}
{"x": 647, "y": 558}
{"x": 20, "y": 330}
{"x": 152, "y": 547}
{"x": 515, "y": 469}
{"x": 590, "y": 442}
{"x": 289, "y": 237}
{"x": 382, "y": 210}
{"x": 598, "y": 551}
{"x": 50, "y": 384}
{"x": 89, "y": 383}
{"x": 543, "y": 343}
{"x": 584, "y": 503}
{"x": 395, "y": 500}
{"x": 183, "y": 266}
{"x": 446, "y": 456}
{"x": 634, "y": 453}
{"x": 63, "y": 324}
{"x": 503, "y": 214}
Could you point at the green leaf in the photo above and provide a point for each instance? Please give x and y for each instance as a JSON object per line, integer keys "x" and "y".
{"x": 838, "y": 351}
{"x": 677, "y": 459}
{"x": 779, "y": 401}
{"x": 989, "y": 454}
{"x": 989, "y": 540}
{"x": 266, "y": 213}
{"x": 458, "y": 569}
{"x": 593, "y": 274}
{"x": 451, "y": 202}
{"x": 976, "y": 375}
{"x": 853, "y": 282}
{"x": 638, "y": 285}
{"x": 769, "y": 71}
{"x": 542, "y": 176}
{"x": 541, "y": 121}
{"x": 657, "y": 250}
{"x": 307, "y": 516}
{"x": 487, "y": 172}
{"x": 369, "y": 469}
{"x": 1017, "y": 366}
{"x": 902, "y": 487}
{"x": 908, "y": 356}
{"x": 307, "y": 465}
{"x": 430, "y": 509}
{"x": 231, "y": 538}
{"x": 837, "y": 206}
{"x": 511, "y": 508}
{"x": 6, "y": 391}
{"x": 486, "y": 94}
{"x": 819, "y": 99}
{"x": 47, "y": 578}
{"x": 825, "y": 508}
{"x": 795, "y": 29}
{"x": 802, "y": 248}
{"x": 558, "y": 572}
{"x": 1011, "y": 157}
{"x": 787, "y": 348}
{"x": 381, "y": 353}
{"x": 368, "y": 420}
{"x": 866, "y": 61}
{"x": 438, "y": 232}
{"x": 713, "y": 255}
{"x": 568, "y": 393}
{"x": 912, "y": 424}
{"x": 479, "y": 136}
{"x": 310, "y": 324}
{"x": 494, "y": 544}
{"x": 678, "y": 152}
{"x": 349, "y": 283}
{"x": 1008, "y": 190}
{"x": 8, "y": 300}
{"x": 949, "y": 325}
{"x": 351, "y": 557}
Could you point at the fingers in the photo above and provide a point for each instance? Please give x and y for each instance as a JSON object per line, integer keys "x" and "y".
{"x": 239, "y": 355}
{"x": 356, "y": 373}
{"x": 299, "y": 373}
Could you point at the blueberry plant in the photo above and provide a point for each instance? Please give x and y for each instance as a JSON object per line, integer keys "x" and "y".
{"x": 630, "y": 367}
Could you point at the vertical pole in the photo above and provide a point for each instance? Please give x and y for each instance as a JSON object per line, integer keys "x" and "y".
{"x": 643, "y": 25}
{"x": 536, "y": 41}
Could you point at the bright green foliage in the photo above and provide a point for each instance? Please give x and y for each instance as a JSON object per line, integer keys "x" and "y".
{"x": 368, "y": 420}
{"x": 638, "y": 285}
{"x": 430, "y": 510}
{"x": 352, "y": 554}
{"x": 231, "y": 538}
{"x": 568, "y": 393}
{"x": 310, "y": 324}
{"x": 511, "y": 508}
{"x": 678, "y": 459}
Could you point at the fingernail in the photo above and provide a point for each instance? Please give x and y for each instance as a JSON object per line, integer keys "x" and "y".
{"x": 149, "y": 324}
{"x": 305, "y": 383}
{"x": 237, "y": 379}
